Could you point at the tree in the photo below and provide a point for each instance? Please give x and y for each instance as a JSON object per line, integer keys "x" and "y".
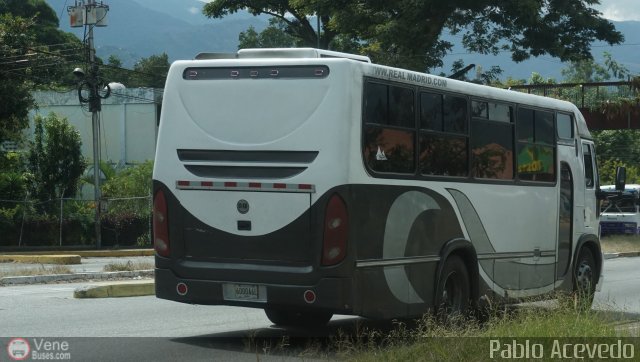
{"x": 33, "y": 53}
{"x": 274, "y": 36}
{"x": 408, "y": 33}
{"x": 588, "y": 70}
{"x": 114, "y": 72}
{"x": 488, "y": 77}
{"x": 15, "y": 92}
{"x": 150, "y": 72}
{"x": 55, "y": 158}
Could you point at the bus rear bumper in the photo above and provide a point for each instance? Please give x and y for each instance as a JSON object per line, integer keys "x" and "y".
{"x": 331, "y": 294}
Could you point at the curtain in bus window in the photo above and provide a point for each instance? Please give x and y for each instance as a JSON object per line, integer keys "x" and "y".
{"x": 544, "y": 132}
{"x": 455, "y": 114}
{"x": 389, "y": 150}
{"x": 443, "y": 155}
{"x": 431, "y": 111}
{"x": 376, "y": 103}
{"x": 492, "y": 150}
{"x": 401, "y": 107}
{"x": 536, "y": 162}
{"x": 525, "y": 125}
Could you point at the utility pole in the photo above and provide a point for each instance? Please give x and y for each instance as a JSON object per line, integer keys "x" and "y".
{"x": 91, "y": 15}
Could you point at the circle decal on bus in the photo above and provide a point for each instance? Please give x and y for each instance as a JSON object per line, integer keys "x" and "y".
{"x": 243, "y": 206}
{"x": 402, "y": 214}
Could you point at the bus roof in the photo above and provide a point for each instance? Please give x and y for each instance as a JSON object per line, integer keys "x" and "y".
{"x": 276, "y": 53}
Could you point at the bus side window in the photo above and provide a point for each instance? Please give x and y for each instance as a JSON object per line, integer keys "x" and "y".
{"x": 389, "y": 128}
{"x": 588, "y": 166}
{"x": 536, "y": 145}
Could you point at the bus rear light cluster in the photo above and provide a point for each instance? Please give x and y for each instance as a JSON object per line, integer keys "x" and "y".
{"x": 160, "y": 225}
{"x": 336, "y": 229}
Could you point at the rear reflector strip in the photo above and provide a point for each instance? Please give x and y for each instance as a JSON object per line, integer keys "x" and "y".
{"x": 244, "y": 186}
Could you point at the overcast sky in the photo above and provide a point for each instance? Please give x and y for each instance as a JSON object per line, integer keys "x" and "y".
{"x": 620, "y": 10}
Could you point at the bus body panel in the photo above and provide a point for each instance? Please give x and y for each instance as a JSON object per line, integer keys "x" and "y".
{"x": 301, "y": 141}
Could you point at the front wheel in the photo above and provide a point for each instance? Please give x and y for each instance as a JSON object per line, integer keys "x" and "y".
{"x": 453, "y": 293}
{"x": 297, "y": 318}
{"x": 585, "y": 274}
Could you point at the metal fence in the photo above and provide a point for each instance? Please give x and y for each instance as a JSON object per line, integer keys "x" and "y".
{"x": 71, "y": 222}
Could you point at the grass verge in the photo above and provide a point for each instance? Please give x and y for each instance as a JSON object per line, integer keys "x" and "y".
{"x": 620, "y": 243}
{"x": 128, "y": 266}
{"x": 470, "y": 340}
{"x": 42, "y": 270}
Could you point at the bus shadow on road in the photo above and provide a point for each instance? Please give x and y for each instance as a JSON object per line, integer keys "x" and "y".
{"x": 339, "y": 335}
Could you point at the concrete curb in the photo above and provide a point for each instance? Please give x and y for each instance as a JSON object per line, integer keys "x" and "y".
{"x": 38, "y": 279}
{"x": 628, "y": 254}
{"x": 88, "y": 253}
{"x": 62, "y": 259}
{"x": 128, "y": 289}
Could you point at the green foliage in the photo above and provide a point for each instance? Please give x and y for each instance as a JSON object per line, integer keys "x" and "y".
{"x": 587, "y": 70}
{"x": 150, "y": 72}
{"x": 607, "y": 171}
{"x": 488, "y": 77}
{"x": 55, "y": 160}
{"x": 15, "y": 93}
{"x": 34, "y": 53}
{"x": 274, "y": 36}
{"x": 131, "y": 182}
{"x": 408, "y": 33}
{"x": 618, "y": 148}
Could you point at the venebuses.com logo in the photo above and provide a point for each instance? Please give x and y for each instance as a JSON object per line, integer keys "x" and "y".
{"x": 18, "y": 349}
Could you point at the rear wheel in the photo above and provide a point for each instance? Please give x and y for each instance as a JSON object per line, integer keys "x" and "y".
{"x": 585, "y": 275}
{"x": 453, "y": 293}
{"x": 298, "y": 318}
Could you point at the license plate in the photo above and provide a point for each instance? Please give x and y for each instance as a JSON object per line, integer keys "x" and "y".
{"x": 250, "y": 292}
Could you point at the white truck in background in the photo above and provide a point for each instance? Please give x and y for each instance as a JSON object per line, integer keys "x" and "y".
{"x": 620, "y": 212}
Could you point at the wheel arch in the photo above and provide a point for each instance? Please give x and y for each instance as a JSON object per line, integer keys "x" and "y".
{"x": 591, "y": 242}
{"x": 465, "y": 250}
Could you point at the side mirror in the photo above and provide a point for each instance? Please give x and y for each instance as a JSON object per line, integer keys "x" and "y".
{"x": 621, "y": 178}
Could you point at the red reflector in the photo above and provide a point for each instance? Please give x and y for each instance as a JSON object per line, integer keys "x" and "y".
{"x": 304, "y": 187}
{"x": 230, "y": 184}
{"x": 255, "y": 184}
{"x": 336, "y": 231}
{"x": 182, "y": 288}
{"x": 207, "y": 183}
{"x": 309, "y": 296}
{"x": 279, "y": 186}
{"x": 183, "y": 183}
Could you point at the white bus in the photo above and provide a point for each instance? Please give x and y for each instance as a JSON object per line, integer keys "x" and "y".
{"x": 620, "y": 211}
{"x": 311, "y": 183}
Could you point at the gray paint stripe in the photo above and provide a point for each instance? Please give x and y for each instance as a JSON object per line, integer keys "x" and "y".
{"x": 398, "y": 261}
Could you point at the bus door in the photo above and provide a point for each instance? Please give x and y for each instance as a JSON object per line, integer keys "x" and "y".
{"x": 565, "y": 222}
{"x": 591, "y": 212}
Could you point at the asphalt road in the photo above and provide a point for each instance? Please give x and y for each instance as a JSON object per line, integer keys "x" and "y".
{"x": 621, "y": 288}
{"x": 51, "y": 311}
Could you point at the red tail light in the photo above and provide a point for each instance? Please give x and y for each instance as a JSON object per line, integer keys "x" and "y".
{"x": 160, "y": 225}
{"x": 336, "y": 229}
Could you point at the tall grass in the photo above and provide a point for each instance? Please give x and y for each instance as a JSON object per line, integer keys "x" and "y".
{"x": 468, "y": 339}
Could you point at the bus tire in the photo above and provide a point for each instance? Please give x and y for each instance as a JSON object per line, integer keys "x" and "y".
{"x": 298, "y": 318}
{"x": 453, "y": 293}
{"x": 585, "y": 274}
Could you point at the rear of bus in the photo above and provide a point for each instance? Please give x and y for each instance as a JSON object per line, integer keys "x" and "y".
{"x": 250, "y": 166}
